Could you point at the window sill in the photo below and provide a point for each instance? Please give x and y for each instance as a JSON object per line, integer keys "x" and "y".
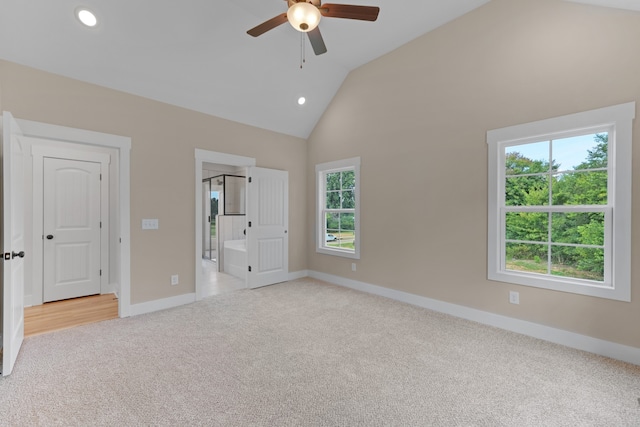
{"x": 574, "y": 286}
{"x": 338, "y": 252}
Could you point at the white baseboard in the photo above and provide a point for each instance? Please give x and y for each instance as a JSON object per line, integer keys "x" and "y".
{"x": 293, "y": 275}
{"x": 559, "y": 336}
{"x": 161, "y": 304}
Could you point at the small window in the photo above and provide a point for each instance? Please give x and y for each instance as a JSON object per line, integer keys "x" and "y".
{"x": 559, "y": 203}
{"x": 337, "y": 187}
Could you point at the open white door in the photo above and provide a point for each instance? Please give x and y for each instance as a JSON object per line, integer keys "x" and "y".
{"x": 13, "y": 243}
{"x": 267, "y": 226}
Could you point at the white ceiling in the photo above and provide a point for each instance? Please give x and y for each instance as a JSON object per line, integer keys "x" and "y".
{"x": 196, "y": 53}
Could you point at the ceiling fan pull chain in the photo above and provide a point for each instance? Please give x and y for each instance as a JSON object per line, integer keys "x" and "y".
{"x": 302, "y": 57}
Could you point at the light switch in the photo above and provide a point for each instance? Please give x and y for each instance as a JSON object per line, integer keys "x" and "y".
{"x": 149, "y": 224}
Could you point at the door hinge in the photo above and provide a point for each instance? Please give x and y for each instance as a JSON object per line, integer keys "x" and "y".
{"x": 100, "y": 177}
{"x": 249, "y": 268}
{"x": 101, "y": 272}
{"x": 249, "y": 179}
{"x": 100, "y": 224}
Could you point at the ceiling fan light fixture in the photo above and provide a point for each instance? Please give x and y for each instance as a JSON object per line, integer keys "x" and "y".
{"x": 303, "y": 16}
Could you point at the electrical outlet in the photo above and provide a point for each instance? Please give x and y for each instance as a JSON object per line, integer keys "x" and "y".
{"x": 174, "y": 280}
{"x": 514, "y": 297}
{"x": 353, "y": 266}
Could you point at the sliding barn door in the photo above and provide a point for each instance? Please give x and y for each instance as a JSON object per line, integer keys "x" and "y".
{"x": 267, "y": 226}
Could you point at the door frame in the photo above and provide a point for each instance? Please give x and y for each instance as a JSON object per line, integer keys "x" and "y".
{"x": 40, "y": 152}
{"x": 201, "y": 157}
{"x": 122, "y": 145}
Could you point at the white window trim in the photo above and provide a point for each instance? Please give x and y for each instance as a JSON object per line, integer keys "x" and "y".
{"x": 335, "y": 166}
{"x": 619, "y": 117}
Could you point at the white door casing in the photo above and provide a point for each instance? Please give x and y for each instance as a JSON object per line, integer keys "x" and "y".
{"x": 72, "y": 228}
{"x": 267, "y": 226}
{"x": 119, "y": 191}
{"x": 13, "y": 243}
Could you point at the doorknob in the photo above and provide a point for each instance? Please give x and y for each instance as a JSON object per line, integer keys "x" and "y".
{"x": 49, "y": 236}
{"x": 17, "y": 254}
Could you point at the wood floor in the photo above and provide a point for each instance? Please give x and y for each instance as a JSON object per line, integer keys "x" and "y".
{"x": 54, "y": 316}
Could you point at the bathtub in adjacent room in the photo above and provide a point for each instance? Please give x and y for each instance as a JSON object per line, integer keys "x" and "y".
{"x": 235, "y": 258}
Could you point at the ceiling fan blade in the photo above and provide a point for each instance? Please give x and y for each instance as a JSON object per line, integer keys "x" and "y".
{"x": 268, "y": 25}
{"x": 317, "y": 43}
{"x": 363, "y": 13}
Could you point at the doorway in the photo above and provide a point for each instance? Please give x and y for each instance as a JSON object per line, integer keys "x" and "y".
{"x": 113, "y": 154}
{"x": 208, "y": 278}
{"x": 265, "y": 248}
{"x": 72, "y": 217}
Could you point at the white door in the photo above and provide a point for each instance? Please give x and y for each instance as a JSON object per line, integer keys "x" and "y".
{"x": 13, "y": 243}
{"x": 267, "y": 226}
{"x": 71, "y": 228}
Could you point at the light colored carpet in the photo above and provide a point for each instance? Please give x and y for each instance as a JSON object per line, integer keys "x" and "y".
{"x": 305, "y": 353}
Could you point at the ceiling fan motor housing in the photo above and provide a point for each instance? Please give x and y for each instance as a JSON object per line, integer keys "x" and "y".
{"x": 316, "y": 3}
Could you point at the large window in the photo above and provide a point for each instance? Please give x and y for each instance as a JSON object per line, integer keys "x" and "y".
{"x": 337, "y": 187}
{"x": 559, "y": 203}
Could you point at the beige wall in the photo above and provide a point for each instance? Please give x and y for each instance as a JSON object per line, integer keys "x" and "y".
{"x": 162, "y": 166}
{"x": 418, "y": 118}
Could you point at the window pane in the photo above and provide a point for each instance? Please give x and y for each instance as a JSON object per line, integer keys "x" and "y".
{"x": 531, "y": 226}
{"x": 333, "y": 200}
{"x": 346, "y": 242}
{"x": 527, "y": 158}
{"x": 584, "y": 228}
{"x": 531, "y": 258}
{"x": 347, "y": 222}
{"x": 348, "y": 180}
{"x": 332, "y": 222}
{"x": 580, "y": 188}
{"x": 581, "y": 152}
{"x": 340, "y": 230}
{"x": 348, "y": 199}
{"x": 577, "y": 262}
{"x": 333, "y": 181}
{"x": 527, "y": 191}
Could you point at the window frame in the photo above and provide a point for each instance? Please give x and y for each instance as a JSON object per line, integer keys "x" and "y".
{"x": 617, "y": 121}
{"x": 322, "y": 170}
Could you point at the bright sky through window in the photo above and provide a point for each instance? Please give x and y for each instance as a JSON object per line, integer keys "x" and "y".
{"x": 567, "y": 152}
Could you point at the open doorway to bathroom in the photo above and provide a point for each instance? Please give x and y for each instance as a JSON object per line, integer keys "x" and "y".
{"x": 223, "y": 204}
{"x": 223, "y": 220}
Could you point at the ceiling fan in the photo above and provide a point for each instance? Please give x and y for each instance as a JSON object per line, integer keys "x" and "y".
{"x": 304, "y": 16}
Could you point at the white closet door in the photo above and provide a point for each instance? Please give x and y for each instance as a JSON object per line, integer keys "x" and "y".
{"x": 71, "y": 229}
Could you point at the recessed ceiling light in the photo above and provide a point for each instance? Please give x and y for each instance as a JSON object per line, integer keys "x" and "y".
{"x": 301, "y": 100}
{"x": 86, "y": 17}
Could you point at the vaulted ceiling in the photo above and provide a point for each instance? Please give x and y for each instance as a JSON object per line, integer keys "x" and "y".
{"x": 196, "y": 54}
